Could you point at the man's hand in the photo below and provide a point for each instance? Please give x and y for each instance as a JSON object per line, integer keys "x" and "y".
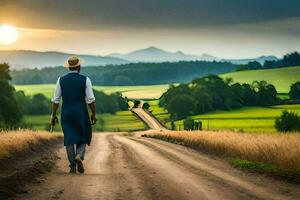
{"x": 54, "y": 120}
{"x": 93, "y": 119}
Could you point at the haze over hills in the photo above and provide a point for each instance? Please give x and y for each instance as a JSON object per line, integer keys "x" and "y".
{"x": 19, "y": 59}
{"x": 260, "y": 59}
{"x": 154, "y": 54}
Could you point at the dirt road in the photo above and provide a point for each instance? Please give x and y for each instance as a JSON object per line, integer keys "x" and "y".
{"x": 123, "y": 167}
{"x": 130, "y": 167}
{"x": 148, "y": 119}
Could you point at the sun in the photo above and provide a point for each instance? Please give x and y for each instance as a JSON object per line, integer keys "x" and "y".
{"x": 8, "y": 34}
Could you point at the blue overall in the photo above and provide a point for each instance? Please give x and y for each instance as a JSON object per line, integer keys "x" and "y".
{"x": 75, "y": 119}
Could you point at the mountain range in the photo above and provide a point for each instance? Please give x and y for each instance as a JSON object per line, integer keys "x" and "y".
{"x": 154, "y": 54}
{"x": 19, "y": 59}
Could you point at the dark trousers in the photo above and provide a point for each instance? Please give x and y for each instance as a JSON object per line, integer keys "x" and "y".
{"x": 80, "y": 150}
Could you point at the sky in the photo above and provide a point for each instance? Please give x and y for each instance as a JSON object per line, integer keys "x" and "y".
{"x": 223, "y": 28}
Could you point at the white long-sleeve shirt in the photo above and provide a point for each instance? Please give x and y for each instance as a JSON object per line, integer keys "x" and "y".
{"x": 89, "y": 94}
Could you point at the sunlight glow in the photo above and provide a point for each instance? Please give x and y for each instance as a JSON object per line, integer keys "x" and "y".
{"x": 8, "y": 34}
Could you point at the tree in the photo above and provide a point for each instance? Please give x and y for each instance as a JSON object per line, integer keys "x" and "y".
{"x": 105, "y": 103}
{"x": 181, "y": 106}
{"x": 288, "y": 122}
{"x": 266, "y": 93}
{"x": 123, "y": 80}
{"x": 250, "y": 66}
{"x": 146, "y": 106}
{"x": 122, "y": 102}
{"x": 35, "y": 105}
{"x": 38, "y": 105}
{"x": 295, "y": 91}
{"x": 189, "y": 124}
{"x": 10, "y": 113}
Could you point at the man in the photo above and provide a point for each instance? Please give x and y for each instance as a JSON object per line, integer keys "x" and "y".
{"x": 76, "y": 91}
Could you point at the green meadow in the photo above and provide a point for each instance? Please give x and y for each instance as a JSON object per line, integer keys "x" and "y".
{"x": 281, "y": 78}
{"x": 247, "y": 119}
{"x": 121, "y": 121}
{"x": 140, "y": 92}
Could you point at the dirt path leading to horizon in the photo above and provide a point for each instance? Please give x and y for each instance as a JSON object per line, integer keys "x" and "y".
{"x": 123, "y": 167}
{"x": 152, "y": 123}
{"x": 131, "y": 167}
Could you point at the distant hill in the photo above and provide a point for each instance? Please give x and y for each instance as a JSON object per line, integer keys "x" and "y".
{"x": 282, "y": 78}
{"x": 19, "y": 59}
{"x": 260, "y": 59}
{"x": 154, "y": 54}
{"x": 129, "y": 74}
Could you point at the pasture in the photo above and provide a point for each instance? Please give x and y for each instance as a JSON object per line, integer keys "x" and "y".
{"x": 281, "y": 78}
{"x": 247, "y": 119}
{"x": 140, "y": 92}
{"x": 121, "y": 121}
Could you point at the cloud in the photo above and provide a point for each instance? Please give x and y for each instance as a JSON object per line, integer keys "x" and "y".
{"x": 100, "y": 14}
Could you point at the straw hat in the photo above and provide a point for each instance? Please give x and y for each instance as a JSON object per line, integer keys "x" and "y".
{"x": 73, "y": 61}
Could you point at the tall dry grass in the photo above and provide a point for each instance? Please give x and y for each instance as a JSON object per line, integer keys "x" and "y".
{"x": 282, "y": 150}
{"x": 20, "y": 141}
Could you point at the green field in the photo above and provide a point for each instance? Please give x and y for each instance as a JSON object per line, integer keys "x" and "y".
{"x": 161, "y": 114}
{"x": 122, "y": 121}
{"x": 140, "y": 92}
{"x": 281, "y": 78}
{"x": 247, "y": 119}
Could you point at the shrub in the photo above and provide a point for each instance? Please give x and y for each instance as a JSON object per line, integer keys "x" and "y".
{"x": 137, "y": 103}
{"x": 288, "y": 122}
{"x": 146, "y": 106}
{"x": 189, "y": 124}
{"x": 295, "y": 91}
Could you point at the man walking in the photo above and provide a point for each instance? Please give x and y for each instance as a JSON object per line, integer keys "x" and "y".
{"x": 76, "y": 91}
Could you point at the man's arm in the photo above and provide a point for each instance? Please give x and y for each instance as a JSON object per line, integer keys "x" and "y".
{"x": 55, "y": 103}
{"x": 53, "y": 115}
{"x": 90, "y": 100}
{"x": 93, "y": 110}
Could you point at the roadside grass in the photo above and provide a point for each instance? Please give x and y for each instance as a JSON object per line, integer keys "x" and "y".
{"x": 281, "y": 78}
{"x": 257, "y": 166}
{"x": 274, "y": 153}
{"x": 121, "y": 121}
{"x": 247, "y": 119}
{"x": 20, "y": 141}
{"x": 139, "y": 92}
{"x": 161, "y": 114}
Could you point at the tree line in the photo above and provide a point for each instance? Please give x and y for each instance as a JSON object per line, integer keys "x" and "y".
{"x": 15, "y": 104}
{"x": 289, "y": 60}
{"x": 130, "y": 74}
{"x": 211, "y": 92}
